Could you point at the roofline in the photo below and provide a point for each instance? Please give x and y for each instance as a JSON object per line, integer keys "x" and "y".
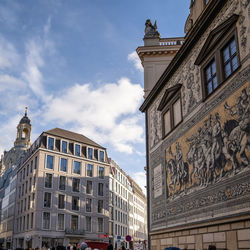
{"x": 191, "y": 39}
{"x": 64, "y": 137}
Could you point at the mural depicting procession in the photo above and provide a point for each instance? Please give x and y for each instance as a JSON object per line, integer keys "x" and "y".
{"x": 217, "y": 147}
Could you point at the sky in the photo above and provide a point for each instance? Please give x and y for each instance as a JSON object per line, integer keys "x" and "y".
{"x": 73, "y": 64}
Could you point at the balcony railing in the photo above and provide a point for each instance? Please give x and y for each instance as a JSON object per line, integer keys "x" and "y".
{"x": 74, "y": 231}
{"x": 171, "y": 41}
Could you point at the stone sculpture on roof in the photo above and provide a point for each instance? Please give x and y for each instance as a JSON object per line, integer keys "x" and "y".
{"x": 151, "y": 30}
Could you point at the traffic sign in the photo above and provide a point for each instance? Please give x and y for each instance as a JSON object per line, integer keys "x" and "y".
{"x": 119, "y": 237}
{"x": 128, "y": 238}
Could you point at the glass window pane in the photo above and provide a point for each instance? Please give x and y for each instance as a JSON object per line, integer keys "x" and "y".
{"x": 101, "y": 172}
{"x": 60, "y": 220}
{"x": 90, "y": 153}
{"x": 226, "y": 54}
{"x": 46, "y": 220}
{"x": 50, "y": 160}
{"x": 76, "y": 185}
{"x": 64, "y": 146}
{"x": 235, "y": 63}
{"x": 228, "y": 69}
{"x": 209, "y": 87}
{"x": 167, "y": 122}
{"x": 213, "y": 68}
{"x": 101, "y": 156}
{"x": 63, "y": 165}
{"x": 51, "y": 143}
{"x": 215, "y": 84}
{"x": 77, "y": 149}
{"x": 89, "y": 170}
{"x": 48, "y": 180}
{"x": 233, "y": 47}
{"x": 208, "y": 73}
{"x": 77, "y": 167}
{"x": 62, "y": 182}
{"x": 177, "y": 112}
{"x": 74, "y": 222}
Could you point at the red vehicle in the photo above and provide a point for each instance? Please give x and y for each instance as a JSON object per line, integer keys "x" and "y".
{"x": 97, "y": 245}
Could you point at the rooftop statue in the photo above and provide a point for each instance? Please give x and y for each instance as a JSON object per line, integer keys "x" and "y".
{"x": 151, "y": 30}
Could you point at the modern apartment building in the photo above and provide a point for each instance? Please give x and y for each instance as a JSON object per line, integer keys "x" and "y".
{"x": 127, "y": 206}
{"x": 62, "y": 191}
{"x": 197, "y": 137}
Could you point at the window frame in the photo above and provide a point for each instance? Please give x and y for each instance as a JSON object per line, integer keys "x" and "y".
{"x": 92, "y": 171}
{"x": 50, "y": 200}
{"x": 45, "y": 180}
{"x": 216, "y": 54}
{"x": 77, "y": 144}
{"x": 73, "y": 167}
{"x": 74, "y": 178}
{"x": 67, "y": 149}
{"x": 77, "y": 221}
{"x": 169, "y": 107}
{"x": 65, "y": 198}
{"x": 89, "y": 231}
{"x": 54, "y": 143}
{"x": 78, "y": 205}
{"x": 65, "y": 183}
{"x": 92, "y": 158}
{"x": 49, "y": 220}
{"x": 46, "y": 162}
{"x": 58, "y": 223}
{"x": 91, "y": 208}
{"x": 60, "y": 162}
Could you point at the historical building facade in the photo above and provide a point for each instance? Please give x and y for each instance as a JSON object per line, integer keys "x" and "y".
{"x": 62, "y": 191}
{"x": 198, "y": 125}
{"x": 8, "y": 170}
{"x": 127, "y": 207}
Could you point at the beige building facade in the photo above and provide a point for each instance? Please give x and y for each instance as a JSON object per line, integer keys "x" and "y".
{"x": 197, "y": 129}
{"x": 62, "y": 191}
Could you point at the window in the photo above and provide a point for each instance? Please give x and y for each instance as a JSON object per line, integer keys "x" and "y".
{"x": 31, "y": 166}
{"x": 62, "y": 182}
{"x": 77, "y": 167}
{"x": 89, "y": 189}
{"x": 47, "y": 200}
{"x": 218, "y": 57}
{"x": 89, "y": 170}
{"x": 100, "y": 206}
{"x": 60, "y": 222}
{"x": 64, "y": 146}
{"x": 90, "y": 153}
{"x": 101, "y": 156}
{"x": 76, "y": 185}
{"x": 170, "y": 106}
{"x": 100, "y": 189}
{"x": 75, "y": 203}
{"x": 74, "y": 222}
{"x": 50, "y": 162}
{"x": 88, "y": 223}
{"x": 77, "y": 149}
{"x": 46, "y": 220}
{"x": 48, "y": 180}
{"x": 27, "y": 170}
{"x": 61, "y": 201}
{"x": 100, "y": 225}
{"x": 24, "y": 173}
{"x": 210, "y": 77}
{"x": 51, "y": 143}
{"x": 35, "y": 162}
{"x": 101, "y": 172}
{"x": 63, "y": 165}
{"x": 31, "y": 220}
{"x": 88, "y": 205}
{"x": 230, "y": 59}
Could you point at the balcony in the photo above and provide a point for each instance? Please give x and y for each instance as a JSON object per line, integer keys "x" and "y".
{"x": 70, "y": 231}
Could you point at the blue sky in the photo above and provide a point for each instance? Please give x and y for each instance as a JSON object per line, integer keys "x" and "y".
{"x": 73, "y": 63}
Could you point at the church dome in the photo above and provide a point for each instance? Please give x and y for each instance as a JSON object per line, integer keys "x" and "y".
{"x": 25, "y": 119}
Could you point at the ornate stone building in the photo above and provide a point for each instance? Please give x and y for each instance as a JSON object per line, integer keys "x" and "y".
{"x": 198, "y": 125}
{"x": 8, "y": 163}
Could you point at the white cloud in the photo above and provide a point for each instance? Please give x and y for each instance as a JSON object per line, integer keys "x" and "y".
{"x": 133, "y": 57}
{"x": 8, "y": 54}
{"x": 8, "y": 82}
{"x": 140, "y": 179}
{"x": 106, "y": 114}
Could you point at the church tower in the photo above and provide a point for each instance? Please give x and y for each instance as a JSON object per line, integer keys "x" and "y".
{"x": 23, "y": 132}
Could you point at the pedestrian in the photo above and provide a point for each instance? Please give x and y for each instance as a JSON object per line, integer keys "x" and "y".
{"x": 110, "y": 246}
{"x": 123, "y": 247}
